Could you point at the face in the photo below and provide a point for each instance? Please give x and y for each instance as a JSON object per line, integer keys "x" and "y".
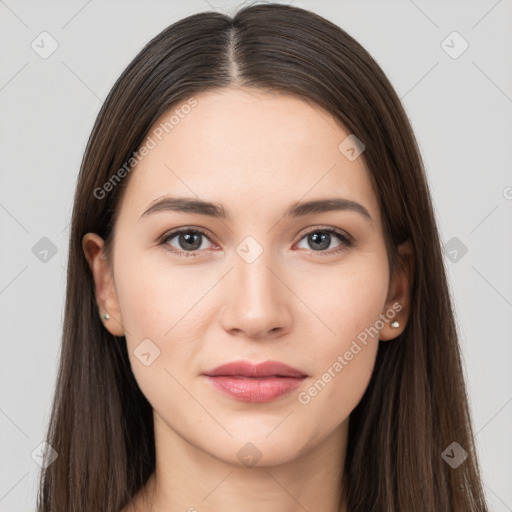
{"x": 304, "y": 289}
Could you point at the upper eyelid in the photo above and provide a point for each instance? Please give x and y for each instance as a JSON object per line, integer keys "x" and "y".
{"x": 320, "y": 227}
{"x": 174, "y": 232}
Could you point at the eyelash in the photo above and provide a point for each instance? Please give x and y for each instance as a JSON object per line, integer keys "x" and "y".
{"x": 346, "y": 241}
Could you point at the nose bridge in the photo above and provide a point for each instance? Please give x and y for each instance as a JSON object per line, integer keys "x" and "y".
{"x": 255, "y": 281}
{"x": 256, "y": 300}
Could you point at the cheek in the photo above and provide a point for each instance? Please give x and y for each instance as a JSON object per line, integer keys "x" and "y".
{"x": 344, "y": 349}
{"x": 351, "y": 302}
{"x": 154, "y": 298}
{"x": 157, "y": 312}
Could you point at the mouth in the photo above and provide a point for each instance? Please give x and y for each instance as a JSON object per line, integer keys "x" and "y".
{"x": 256, "y": 383}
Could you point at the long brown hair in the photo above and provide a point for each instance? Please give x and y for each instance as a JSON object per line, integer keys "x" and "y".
{"x": 415, "y": 405}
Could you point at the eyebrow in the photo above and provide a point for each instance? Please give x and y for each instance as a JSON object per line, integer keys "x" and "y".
{"x": 296, "y": 209}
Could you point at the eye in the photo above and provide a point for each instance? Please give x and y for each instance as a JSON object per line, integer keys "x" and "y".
{"x": 321, "y": 238}
{"x": 189, "y": 240}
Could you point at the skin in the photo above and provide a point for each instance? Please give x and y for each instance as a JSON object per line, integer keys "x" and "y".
{"x": 255, "y": 153}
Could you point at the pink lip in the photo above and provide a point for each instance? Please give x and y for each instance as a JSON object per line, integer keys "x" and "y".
{"x": 255, "y": 383}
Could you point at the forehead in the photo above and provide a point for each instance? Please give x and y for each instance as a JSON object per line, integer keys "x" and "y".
{"x": 249, "y": 150}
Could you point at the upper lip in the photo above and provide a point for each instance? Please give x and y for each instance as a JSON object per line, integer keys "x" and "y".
{"x": 248, "y": 369}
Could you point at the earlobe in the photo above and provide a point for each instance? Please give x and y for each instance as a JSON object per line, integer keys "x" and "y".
{"x": 398, "y": 302}
{"x": 108, "y": 307}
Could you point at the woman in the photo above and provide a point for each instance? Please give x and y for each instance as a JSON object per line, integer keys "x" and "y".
{"x": 257, "y": 313}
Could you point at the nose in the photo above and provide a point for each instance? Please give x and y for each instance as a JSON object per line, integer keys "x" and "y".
{"x": 257, "y": 303}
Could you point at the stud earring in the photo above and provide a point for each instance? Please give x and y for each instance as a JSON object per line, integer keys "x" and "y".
{"x": 395, "y": 324}
{"x": 106, "y": 316}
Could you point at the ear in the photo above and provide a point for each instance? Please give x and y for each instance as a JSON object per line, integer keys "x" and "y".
{"x": 105, "y": 293}
{"x": 398, "y": 302}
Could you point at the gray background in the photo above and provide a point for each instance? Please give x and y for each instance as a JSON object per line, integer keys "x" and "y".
{"x": 461, "y": 111}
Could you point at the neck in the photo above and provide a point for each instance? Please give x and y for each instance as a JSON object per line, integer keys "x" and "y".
{"x": 188, "y": 479}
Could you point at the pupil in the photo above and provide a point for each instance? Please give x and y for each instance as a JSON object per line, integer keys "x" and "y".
{"x": 314, "y": 238}
{"x": 187, "y": 238}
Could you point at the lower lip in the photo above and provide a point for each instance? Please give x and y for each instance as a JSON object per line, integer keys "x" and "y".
{"x": 256, "y": 390}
